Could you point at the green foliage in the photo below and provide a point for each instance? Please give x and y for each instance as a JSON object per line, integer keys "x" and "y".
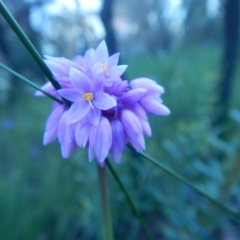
{"x": 45, "y": 197}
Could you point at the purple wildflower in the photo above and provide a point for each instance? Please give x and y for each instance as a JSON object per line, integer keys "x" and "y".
{"x": 87, "y": 97}
{"x": 106, "y": 112}
{"x": 99, "y": 62}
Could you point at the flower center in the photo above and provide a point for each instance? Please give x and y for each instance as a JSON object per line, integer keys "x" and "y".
{"x": 87, "y": 96}
{"x": 104, "y": 68}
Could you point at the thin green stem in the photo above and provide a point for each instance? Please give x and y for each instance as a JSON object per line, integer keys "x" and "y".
{"x": 130, "y": 201}
{"x": 233, "y": 213}
{"x": 28, "y": 82}
{"x": 106, "y": 215}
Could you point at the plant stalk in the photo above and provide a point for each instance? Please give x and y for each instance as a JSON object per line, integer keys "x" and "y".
{"x": 106, "y": 215}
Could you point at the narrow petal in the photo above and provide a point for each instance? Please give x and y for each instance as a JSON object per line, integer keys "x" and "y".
{"x": 149, "y": 84}
{"x": 58, "y": 69}
{"x": 89, "y": 58}
{"x": 113, "y": 60}
{"x": 131, "y": 124}
{"x": 62, "y": 127}
{"x": 103, "y": 139}
{"x": 80, "y": 81}
{"x": 97, "y": 68}
{"x": 139, "y": 111}
{"x": 116, "y": 71}
{"x": 47, "y": 87}
{"x": 98, "y": 82}
{"x": 91, "y": 153}
{"x": 118, "y": 141}
{"x": 146, "y": 127}
{"x": 154, "y": 106}
{"x": 94, "y": 116}
{"x": 78, "y": 111}
{"x": 82, "y": 134}
{"x": 103, "y": 101}
{"x": 138, "y": 143}
{"x": 55, "y": 116}
{"x": 70, "y": 94}
{"x": 68, "y": 149}
{"x": 66, "y": 137}
{"x": 101, "y": 53}
{"x": 92, "y": 134}
{"x": 133, "y": 96}
{"x": 50, "y": 135}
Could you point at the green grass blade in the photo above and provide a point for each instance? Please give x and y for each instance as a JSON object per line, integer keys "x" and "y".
{"x": 30, "y": 83}
{"x": 183, "y": 180}
{"x": 130, "y": 201}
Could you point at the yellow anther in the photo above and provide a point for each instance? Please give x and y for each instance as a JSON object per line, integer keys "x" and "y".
{"x": 104, "y": 68}
{"x": 87, "y": 96}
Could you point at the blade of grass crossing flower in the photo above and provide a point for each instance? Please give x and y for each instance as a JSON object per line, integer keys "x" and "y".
{"x": 130, "y": 201}
{"x": 230, "y": 211}
{"x": 25, "y": 80}
{"x": 106, "y": 215}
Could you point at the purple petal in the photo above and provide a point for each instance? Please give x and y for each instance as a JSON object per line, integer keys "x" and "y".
{"x": 91, "y": 153}
{"x": 62, "y": 127}
{"x": 68, "y": 149}
{"x": 133, "y": 96}
{"x": 82, "y": 134}
{"x": 118, "y": 141}
{"x": 94, "y": 116}
{"x": 63, "y": 79}
{"x": 98, "y": 82}
{"x": 116, "y": 71}
{"x": 139, "y": 111}
{"x": 66, "y": 137}
{"x": 131, "y": 124}
{"x": 149, "y": 84}
{"x": 55, "y": 116}
{"x": 101, "y": 53}
{"x": 154, "y": 106}
{"x": 103, "y": 101}
{"x": 138, "y": 143}
{"x": 97, "y": 68}
{"x": 80, "y": 81}
{"x": 78, "y": 111}
{"x": 113, "y": 60}
{"x": 70, "y": 94}
{"x": 92, "y": 134}
{"x": 146, "y": 127}
{"x": 58, "y": 69}
{"x": 89, "y": 59}
{"x": 103, "y": 140}
{"x": 50, "y": 135}
{"x": 47, "y": 87}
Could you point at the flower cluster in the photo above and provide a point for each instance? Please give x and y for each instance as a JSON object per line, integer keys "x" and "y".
{"x": 106, "y": 112}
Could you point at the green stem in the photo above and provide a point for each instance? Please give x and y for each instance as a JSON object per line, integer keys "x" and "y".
{"x": 233, "y": 213}
{"x": 27, "y": 43}
{"x": 107, "y": 223}
{"x": 29, "y": 82}
{"x": 130, "y": 201}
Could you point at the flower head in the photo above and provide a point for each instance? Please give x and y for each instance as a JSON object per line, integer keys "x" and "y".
{"x": 106, "y": 112}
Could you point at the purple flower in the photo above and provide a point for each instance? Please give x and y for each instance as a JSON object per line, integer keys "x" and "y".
{"x": 99, "y": 62}
{"x": 106, "y": 113}
{"x": 87, "y": 97}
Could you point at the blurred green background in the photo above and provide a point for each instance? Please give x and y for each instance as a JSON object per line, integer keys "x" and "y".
{"x": 189, "y": 48}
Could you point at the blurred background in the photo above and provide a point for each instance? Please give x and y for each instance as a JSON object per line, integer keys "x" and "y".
{"x": 188, "y": 46}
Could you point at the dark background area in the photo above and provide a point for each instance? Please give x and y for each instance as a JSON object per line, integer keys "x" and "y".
{"x": 191, "y": 48}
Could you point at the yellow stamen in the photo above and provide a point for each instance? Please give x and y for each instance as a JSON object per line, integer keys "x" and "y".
{"x": 87, "y": 96}
{"x": 104, "y": 68}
